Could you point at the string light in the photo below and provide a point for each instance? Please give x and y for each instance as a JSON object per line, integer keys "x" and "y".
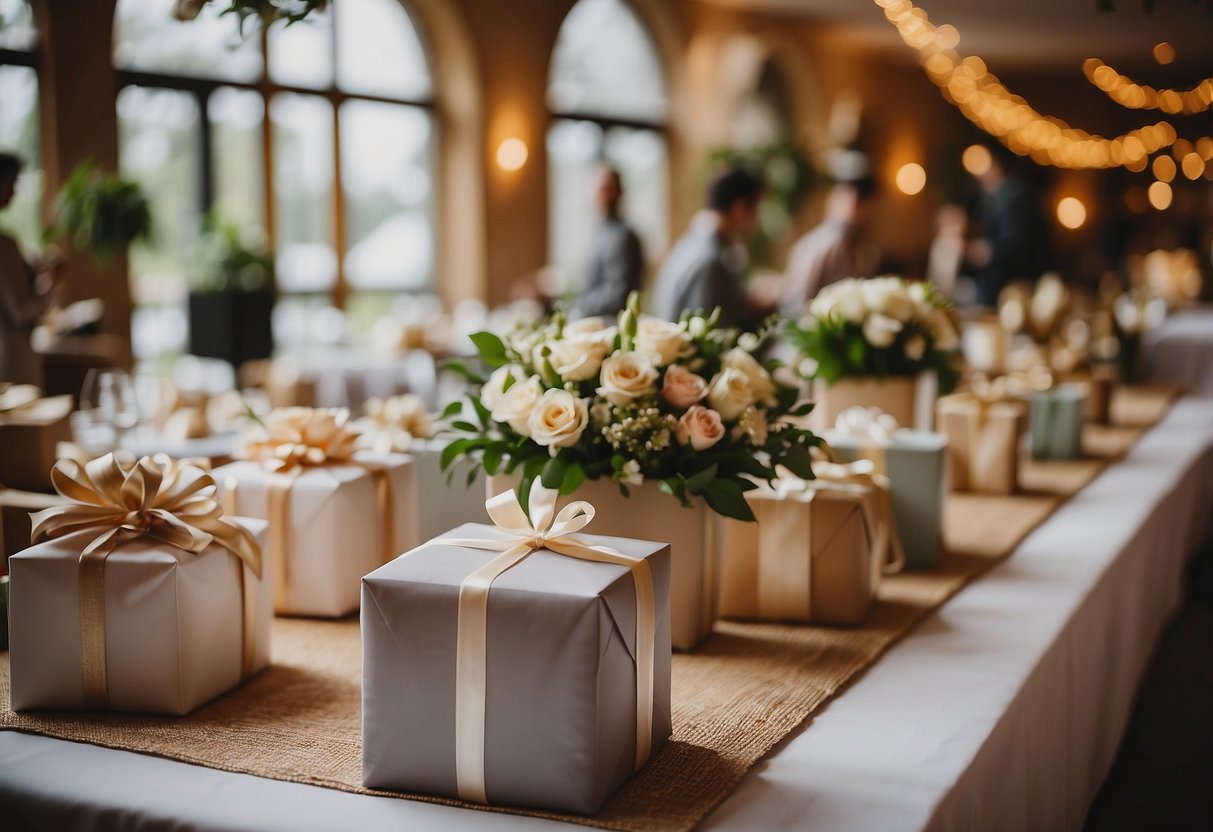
{"x": 1160, "y": 195}
{"x": 911, "y": 178}
{"x": 1071, "y": 213}
{"x": 976, "y": 159}
{"x": 1125, "y": 92}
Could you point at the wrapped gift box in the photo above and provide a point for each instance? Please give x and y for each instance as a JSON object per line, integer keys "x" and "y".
{"x": 441, "y": 504}
{"x": 561, "y": 668}
{"x": 916, "y": 463}
{"x": 334, "y": 531}
{"x": 174, "y": 624}
{"x": 1098, "y": 384}
{"x": 28, "y": 436}
{"x": 1055, "y": 419}
{"x": 908, "y": 399}
{"x": 983, "y": 442}
{"x": 814, "y": 556}
{"x": 983, "y": 343}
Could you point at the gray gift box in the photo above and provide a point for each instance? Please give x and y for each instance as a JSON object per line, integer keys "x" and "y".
{"x": 916, "y": 464}
{"x": 560, "y": 723}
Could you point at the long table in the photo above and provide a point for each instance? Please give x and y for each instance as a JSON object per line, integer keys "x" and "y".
{"x": 1003, "y": 710}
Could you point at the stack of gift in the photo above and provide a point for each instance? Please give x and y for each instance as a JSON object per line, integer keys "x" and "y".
{"x": 915, "y": 463}
{"x": 817, "y": 552}
{"x": 334, "y": 513}
{"x": 983, "y": 426}
{"x": 30, "y": 427}
{"x": 520, "y": 664}
{"x": 139, "y": 593}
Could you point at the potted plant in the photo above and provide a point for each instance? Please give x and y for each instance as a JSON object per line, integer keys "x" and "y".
{"x": 877, "y": 342}
{"x": 232, "y": 301}
{"x": 660, "y": 425}
{"x": 100, "y": 213}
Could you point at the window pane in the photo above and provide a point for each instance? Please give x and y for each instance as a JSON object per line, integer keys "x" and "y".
{"x": 639, "y": 156}
{"x": 386, "y": 173}
{"x": 574, "y": 159}
{"x": 159, "y": 147}
{"x": 19, "y": 132}
{"x": 301, "y": 55}
{"x": 17, "y": 25}
{"x": 605, "y": 63}
{"x": 236, "y": 140}
{"x": 147, "y": 37}
{"x": 378, "y": 50}
{"x": 303, "y": 191}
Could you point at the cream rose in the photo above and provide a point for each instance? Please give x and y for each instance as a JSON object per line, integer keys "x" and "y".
{"x": 585, "y": 326}
{"x": 880, "y": 330}
{"x": 682, "y": 388}
{"x": 559, "y": 419}
{"x": 577, "y": 356}
{"x": 729, "y": 393}
{"x": 664, "y": 340}
{"x": 517, "y": 404}
{"x": 762, "y": 388}
{"x": 627, "y": 376}
{"x": 494, "y": 389}
{"x": 700, "y": 427}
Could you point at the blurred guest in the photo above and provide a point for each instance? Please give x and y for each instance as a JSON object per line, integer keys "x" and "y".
{"x": 25, "y": 293}
{"x": 616, "y": 261}
{"x": 1014, "y": 242}
{"x": 946, "y": 256}
{"x": 706, "y": 268}
{"x": 835, "y": 249}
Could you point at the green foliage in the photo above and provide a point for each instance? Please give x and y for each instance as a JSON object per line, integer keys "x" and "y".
{"x": 226, "y": 264}
{"x": 100, "y": 213}
{"x": 266, "y": 12}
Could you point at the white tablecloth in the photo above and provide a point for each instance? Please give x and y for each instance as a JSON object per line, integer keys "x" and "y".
{"x": 1001, "y": 711}
{"x": 1182, "y": 350}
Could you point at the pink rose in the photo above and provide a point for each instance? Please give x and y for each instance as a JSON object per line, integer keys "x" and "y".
{"x": 700, "y": 427}
{"x": 682, "y": 388}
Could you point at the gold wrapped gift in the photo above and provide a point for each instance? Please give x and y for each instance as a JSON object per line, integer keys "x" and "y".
{"x": 30, "y": 427}
{"x": 983, "y": 432}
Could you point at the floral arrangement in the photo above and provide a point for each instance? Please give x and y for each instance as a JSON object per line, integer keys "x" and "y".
{"x": 880, "y": 326}
{"x": 684, "y": 404}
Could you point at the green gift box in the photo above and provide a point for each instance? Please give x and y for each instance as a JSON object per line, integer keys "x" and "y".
{"x": 916, "y": 464}
{"x": 1055, "y": 422}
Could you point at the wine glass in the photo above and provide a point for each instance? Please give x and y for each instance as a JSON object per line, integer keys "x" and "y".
{"x": 109, "y": 402}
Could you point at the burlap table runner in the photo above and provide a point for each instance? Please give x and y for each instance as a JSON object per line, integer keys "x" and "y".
{"x": 746, "y": 689}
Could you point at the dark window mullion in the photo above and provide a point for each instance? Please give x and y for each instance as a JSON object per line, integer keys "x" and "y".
{"x": 206, "y": 158}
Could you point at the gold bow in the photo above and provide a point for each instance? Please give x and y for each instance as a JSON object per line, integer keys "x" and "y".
{"x": 525, "y": 536}
{"x": 123, "y": 499}
{"x": 393, "y": 423}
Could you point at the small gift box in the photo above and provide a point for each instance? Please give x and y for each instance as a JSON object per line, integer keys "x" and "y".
{"x": 334, "y": 515}
{"x": 139, "y": 595}
{"x": 816, "y": 553}
{"x": 1098, "y": 384}
{"x": 1055, "y": 422}
{"x": 30, "y": 428}
{"x": 983, "y": 343}
{"x": 519, "y": 664}
{"x": 915, "y": 463}
{"x": 908, "y": 399}
{"x": 983, "y": 441}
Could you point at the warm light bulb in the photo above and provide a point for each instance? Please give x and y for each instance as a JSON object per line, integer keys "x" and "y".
{"x": 976, "y": 159}
{"x": 1193, "y": 165}
{"x": 1164, "y": 168}
{"x": 512, "y": 154}
{"x": 1164, "y": 53}
{"x": 1071, "y": 213}
{"x": 911, "y": 178}
{"x": 1160, "y": 195}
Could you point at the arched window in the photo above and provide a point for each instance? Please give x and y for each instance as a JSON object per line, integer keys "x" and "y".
{"x": 318, "y": 137}
{"x": 19, "y": 128}
{"x": 608, "y": 101}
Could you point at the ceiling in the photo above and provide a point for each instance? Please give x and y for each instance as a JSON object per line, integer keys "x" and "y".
{"x": 1024, "y": 34}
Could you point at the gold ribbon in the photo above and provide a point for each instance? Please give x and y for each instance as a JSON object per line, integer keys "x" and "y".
{"x": 123, "y": 500}
{"x": 525, "y": 536}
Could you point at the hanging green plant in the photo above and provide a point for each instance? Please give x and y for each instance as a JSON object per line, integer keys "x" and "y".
{"x": 99, "y": 212}
{"x": 225, "y": 263}
{"x": 265, "y": 11}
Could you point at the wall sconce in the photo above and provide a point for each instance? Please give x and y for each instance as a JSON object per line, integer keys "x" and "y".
{"x": 512, "y": 154}
{"x": 1071, "y": 213}
{"x": 911, "y": 178}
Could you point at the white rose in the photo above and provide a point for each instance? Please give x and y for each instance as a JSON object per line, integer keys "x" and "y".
{"x": 729, "y": 393}
{"x": 663, "y": 339}
{"x": 700, "y": 428}
{"x": 682, "y": 388}
{"x": 585, "y": 326}
{"x": 575, "y": 357}
{"x": 494, "y": 389}
{"x": 762, "y": 388}
{"x": 888, "y": 296}
{"x": 559, "y": 419}
{"x": 517, "y": 404}
{"x": 916, "y": 348}
{"x": 880, "y": 330}
{"x": 627, "y": 376}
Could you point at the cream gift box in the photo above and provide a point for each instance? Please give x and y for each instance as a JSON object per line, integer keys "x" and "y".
{"x": 332, "y": 530}
{"x": 814, "y": 556}
{"x": 167, "y": 630}
{"x": 983, "y": 442}
{"x": 908, "y": 399}
{"x": 28, "y": 436}
{"x": 1055, "y": 420}
{"x": 557, "y": 726}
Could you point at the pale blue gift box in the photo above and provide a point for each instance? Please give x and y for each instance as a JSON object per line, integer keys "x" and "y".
{"x": 1055, "y": 422}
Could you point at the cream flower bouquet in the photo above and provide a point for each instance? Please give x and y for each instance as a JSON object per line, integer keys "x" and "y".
{"x": 684, "y": 404}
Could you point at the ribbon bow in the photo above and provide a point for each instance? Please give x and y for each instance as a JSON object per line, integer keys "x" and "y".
{"x": 393, "y": 423}
{"x": 298, "y": 437}
{"x": 123, "y": 499}
{"x": 544, "y": 528}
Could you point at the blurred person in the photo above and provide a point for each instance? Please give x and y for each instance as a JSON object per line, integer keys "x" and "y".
{"x": 706, "y": 268}
{"x": 25, "y": 293}
{"x": 835, "y": 249}
{"x": 616, "y": 264}
{"x": 1013, "y": 243}
{"x": 945, "y": 260}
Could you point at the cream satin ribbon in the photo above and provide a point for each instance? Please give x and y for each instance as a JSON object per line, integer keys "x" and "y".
{"x": 126, "y": 500}
{"x": 525, "y": 536}
{"x": 872, "y": 430}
